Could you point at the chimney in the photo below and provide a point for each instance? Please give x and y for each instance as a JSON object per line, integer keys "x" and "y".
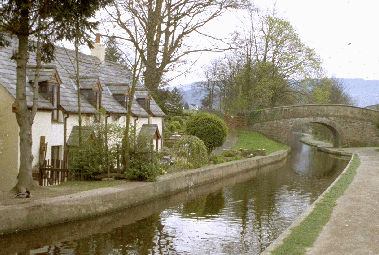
{"x": 98, "y": 49}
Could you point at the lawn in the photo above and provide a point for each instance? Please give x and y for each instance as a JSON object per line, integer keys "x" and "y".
{"x": 255, "y": 141}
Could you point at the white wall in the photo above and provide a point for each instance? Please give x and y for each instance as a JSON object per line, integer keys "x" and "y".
{"x": 53, "y": 132}
{"x": 159, "y": 122}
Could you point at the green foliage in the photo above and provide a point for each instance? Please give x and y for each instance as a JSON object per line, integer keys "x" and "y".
{"x": 216, "y": 159}
{"x": 255, "y": 141}
{"x": 144, "y": 162}
{"x": 178, "y": 118}
{"x": 171, "y": 102}
{"x": 191, "y": 149}
{"x": 326, "y": 91}
{"x": 305, "y": 234}
{"x": 211, "y": 129}
{"x": 228, "y": 154}
{"x": 95, "y": 156}
{"x": 113, "y": 52}
{"x": 174, "y": 126}
{"x": 181, "y": 164}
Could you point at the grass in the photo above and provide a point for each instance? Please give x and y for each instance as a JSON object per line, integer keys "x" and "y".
{"x": 255, "y": 141}
{"x": 305, "y": 234}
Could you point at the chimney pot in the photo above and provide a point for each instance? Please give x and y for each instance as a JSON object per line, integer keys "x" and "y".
{"x": 98, "y": 49}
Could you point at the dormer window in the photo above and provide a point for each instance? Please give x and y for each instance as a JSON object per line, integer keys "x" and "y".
{"x": 144, "y": 103}
{"x": 120, "y": 92}
{"x": 91, "y": 89}
{"x": 122, "y": 99}
{"x": 96, "y": 100}
{"x": 48, "y": 86}
{"x": 51, "y": 91}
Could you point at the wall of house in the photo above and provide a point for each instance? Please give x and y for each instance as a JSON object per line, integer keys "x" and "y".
{"x": 53, "y": 132}
{"x": 9, "y": 142}
{"x": 138, "y": 122}
{"x": 159, "y": 122}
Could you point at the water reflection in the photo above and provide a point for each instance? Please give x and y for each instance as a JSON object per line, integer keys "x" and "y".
{"x": 242, "y": 215}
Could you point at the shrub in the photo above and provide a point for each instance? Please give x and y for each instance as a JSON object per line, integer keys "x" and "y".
{"x": 180, "y": 165}
{"x": 175, "y": 126}
{"x": 95, "y": 157}
{"x": 192, "y": 149}
{"x": 144, "y": 162}
{"x": 211, "y": 129}
{"x": 228, "y": 153}
{"x": 216, "y": 159}
{"x": 179, "y": 119}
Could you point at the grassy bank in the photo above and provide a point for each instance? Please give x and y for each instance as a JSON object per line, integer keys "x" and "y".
{"x": 305, "y": 234}
{"x": 255, "y": 141}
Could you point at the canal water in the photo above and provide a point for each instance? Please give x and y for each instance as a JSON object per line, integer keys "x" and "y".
{"x": 241, "y": 215}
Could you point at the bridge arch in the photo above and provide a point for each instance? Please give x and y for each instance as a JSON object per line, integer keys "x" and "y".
{"x": 336, "y": 133}
{"x": 350, "y": 126}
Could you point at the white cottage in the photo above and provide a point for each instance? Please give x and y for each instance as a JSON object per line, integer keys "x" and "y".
{"x": 103, "y": 85}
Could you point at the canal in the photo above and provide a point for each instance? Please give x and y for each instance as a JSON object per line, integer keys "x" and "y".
{"x": 241, "y": 215}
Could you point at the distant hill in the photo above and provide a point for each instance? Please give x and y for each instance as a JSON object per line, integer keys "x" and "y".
{"x": 191, "y": 93}
{"x": 363, "y": 92}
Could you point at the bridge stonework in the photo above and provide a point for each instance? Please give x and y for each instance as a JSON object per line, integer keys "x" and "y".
{"x": 351, "y": 126}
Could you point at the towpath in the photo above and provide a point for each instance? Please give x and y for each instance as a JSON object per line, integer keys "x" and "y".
{"x": 354, "y": 224}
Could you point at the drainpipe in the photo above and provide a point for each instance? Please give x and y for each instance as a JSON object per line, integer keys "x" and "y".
{"x": 135, "y": 124}
{"x": 65, "y": 138}
{"x": 106, "y": 143}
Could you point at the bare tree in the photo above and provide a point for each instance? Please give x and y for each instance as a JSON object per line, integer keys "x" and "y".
{"x": 167, "y": 25}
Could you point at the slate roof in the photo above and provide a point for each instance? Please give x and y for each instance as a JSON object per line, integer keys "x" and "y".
{"x": 151, "y": 130}
{"x": 108, "y": 73}
{"x": 45, "y": 73}
{"x": 73, "y": 139}
{"x": 110, "y": 104}
{"x": 154, "y": 108}
{"x": 8, "y": 79}
{"x": 88, "y": 82}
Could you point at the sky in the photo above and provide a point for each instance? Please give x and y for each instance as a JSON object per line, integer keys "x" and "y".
{"x": 342, "y": 32}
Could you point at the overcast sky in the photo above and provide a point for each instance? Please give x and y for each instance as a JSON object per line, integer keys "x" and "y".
{"x": 344, "y": 33}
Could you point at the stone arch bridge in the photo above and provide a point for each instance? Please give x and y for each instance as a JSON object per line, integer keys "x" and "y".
{"x": 350, "y": 126}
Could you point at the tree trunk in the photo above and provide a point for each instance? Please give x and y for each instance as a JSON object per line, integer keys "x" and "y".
{"x": 152, "y": 76}
{"x": 24, "y": 118}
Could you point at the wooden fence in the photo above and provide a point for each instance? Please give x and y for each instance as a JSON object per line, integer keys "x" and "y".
{"x": 236, "y": 122}
{"x": 53, "y": 173}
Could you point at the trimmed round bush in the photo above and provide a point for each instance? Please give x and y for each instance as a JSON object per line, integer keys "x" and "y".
{"x": 175, "y": 126}
{"x": 212, "y": 130}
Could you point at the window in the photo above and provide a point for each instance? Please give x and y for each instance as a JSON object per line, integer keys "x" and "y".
{"x": 144, "y": 103}
{"x": 97, "y": 100}
{"x": 52, "y": 93}
{"x": 121, "y": 99}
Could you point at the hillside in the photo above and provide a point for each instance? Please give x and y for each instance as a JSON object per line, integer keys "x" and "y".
{"x": 364, "y": 92}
